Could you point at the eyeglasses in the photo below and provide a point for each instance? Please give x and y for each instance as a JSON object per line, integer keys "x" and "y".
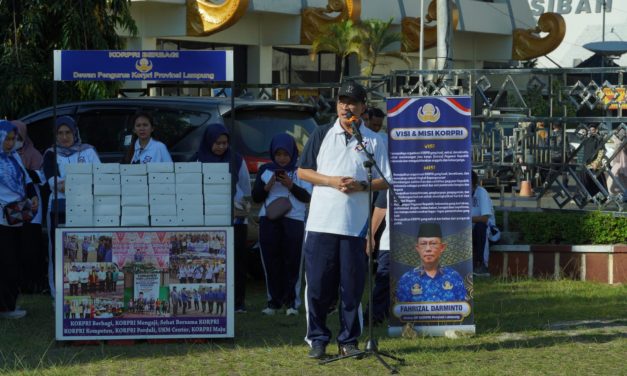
{"x": 424, "y": 245}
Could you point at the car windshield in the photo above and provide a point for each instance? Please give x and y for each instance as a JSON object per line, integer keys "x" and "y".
{"x": 254, "y": 129}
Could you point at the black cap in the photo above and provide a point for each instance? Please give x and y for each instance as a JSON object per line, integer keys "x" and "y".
{"x": 353, "y": 90}
{"x": 430, "y": 230}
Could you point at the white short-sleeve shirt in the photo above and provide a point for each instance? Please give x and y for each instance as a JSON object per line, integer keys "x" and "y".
{"x": 332, "y": 211}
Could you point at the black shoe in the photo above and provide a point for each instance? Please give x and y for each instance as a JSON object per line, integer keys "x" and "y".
{"x": 317, "y": 351}
{"x": 481, "y": 271}
{"x": 349, "y": 349}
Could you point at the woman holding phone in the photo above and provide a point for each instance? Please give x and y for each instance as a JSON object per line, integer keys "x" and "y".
{"x": 281, "y": 238}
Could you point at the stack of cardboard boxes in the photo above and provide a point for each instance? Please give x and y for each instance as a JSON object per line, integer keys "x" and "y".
{"x": 154, "y": 194}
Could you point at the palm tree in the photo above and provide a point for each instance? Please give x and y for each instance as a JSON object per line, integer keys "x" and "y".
{"x": 377, "y": 37}
{"x": 341, "y": 39}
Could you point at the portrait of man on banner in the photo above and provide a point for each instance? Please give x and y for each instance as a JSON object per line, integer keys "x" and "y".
{"x": 431, "y": 282}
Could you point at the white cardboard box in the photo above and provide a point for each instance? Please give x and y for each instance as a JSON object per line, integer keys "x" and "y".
{"x": 162, "y": 199}
{"x": 107, "y": 221}
{"x": 215, "y": 168}
{"x": 160, "y": 167}
{"x": 163, "y": 220}
{"x": 79, "y": 179}
{"x": 135, "y": 200}
{"x": 221, "y": 198}
{"x": 134, "y": 189}
{"x": 217, "y": 209}
{"x": 182, "y": 167}
{"x": 162, "y": 189}
{"x": 133, "y": 169}
{"x": 106, "y": 179}
{"x": 107, "y": 200}
{"x": 217, "y": 220}
{"x": 78, "y": 168}
{"x": 187, "y": 199}
{"x": 79, "y": 221}
{"x": 107, "y": 168}
{"x": 217, "y": 178}
{"x": 193, "y": 210}
{"x": 134, "y": 179}
{"x": 105, "y": 210}
{"x": 191, "y": 220}
{"x": 217, "y": 189}
{"x": 79, "y": 200}
{"x": 135, "y": 211}
{"x": 189, "y": 178}
{"x": 107, "y": 189}
{"x": 84, "y": 211}
{"x": 189, "y": 189}
{"x": 162, "y": 209}
{"x": 78, "y": 190}
{"x": 161, "y": 177}
{"x": 135, "y": 220}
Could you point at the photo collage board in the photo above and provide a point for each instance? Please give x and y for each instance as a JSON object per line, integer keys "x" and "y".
{"x": 142, "y": 283}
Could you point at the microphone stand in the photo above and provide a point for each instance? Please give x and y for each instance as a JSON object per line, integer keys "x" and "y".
{"x": 371, "y": 348}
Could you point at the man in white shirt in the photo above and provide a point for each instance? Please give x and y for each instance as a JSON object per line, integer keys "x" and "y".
{"x": 335, "y": 241}
{"x": 481, "y": 212}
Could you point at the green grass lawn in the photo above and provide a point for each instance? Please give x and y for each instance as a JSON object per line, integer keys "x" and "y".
{"x": 523, "y": 328}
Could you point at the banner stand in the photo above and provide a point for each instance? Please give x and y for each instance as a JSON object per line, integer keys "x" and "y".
{"x": 129, "y": 295}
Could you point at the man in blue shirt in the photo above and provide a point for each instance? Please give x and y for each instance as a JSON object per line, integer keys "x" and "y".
{"x": 430, "y": 282}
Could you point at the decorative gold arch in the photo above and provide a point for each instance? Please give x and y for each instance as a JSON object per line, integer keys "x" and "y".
{"x": 205, "y": 17}
{"x": 313, "y": 20}
{"x": 528, "y": 44}
{"x": 410, "y": 28}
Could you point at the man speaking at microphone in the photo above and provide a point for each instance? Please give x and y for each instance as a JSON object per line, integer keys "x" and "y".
{"x": 333, "y": 161}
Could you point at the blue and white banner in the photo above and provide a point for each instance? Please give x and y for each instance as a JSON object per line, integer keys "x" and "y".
{"x": 164, "y": 65}
{"x": 431, "y": 234}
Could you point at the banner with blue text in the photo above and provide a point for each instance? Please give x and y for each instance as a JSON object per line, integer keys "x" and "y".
{"x": 97, "y": 65}
{"x": 144, "y": 283}
{"x": 431, "y": 268}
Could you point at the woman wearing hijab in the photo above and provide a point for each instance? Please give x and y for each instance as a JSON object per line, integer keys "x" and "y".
{"x": 15, "y": 185}
{"x": 215, "y": 148}
{"x": 69, "y": 150}
{"x": 32, "y": 259}
{"x": 281, "y": 239}
{"x": 144, "y": 148}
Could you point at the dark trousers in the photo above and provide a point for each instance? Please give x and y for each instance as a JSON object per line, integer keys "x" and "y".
{"x": 240, "y": 264}
{"x": 479, "y": 238}
{"x": 330, "y": 261}
{"x": 381, "y": 290}
{"x": 281, "y": 244}
{"x": 32, "y": 255}
{"x": 10, "y": 238}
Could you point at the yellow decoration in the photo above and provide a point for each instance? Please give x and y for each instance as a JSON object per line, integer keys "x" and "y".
{"x": 528, "y": 44}
{"x": 205, "y": 17}
{"x": 447, "y": 285}
{"x": 410, "y": 28}
{"x": 314, "y": 20}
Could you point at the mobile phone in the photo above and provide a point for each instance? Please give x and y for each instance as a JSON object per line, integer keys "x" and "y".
{"x": 279, "y": 172}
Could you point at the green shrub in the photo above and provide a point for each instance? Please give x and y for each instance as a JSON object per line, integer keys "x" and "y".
{"x": 567, "y": 227}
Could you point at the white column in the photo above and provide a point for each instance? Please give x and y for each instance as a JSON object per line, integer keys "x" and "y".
{"x": 259, "y": 67}
{"x": 444, "y": 37}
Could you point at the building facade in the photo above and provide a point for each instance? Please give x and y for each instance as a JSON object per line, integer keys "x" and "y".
{"x": 271, "y": 38}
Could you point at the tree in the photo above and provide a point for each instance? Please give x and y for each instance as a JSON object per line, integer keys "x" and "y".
{"x": 34, "y": 28}
{"x": 377, "y": 37}
{"x": 341, "y": 39}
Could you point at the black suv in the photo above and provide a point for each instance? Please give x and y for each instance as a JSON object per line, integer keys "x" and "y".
{"x": 180, "y": 124}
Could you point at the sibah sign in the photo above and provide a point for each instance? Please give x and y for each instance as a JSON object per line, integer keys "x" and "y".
{"x": 569, "y": 6}
{"x": 96, "y": 65}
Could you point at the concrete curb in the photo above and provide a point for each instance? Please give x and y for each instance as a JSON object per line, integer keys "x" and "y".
{"x": 598, "y": 263}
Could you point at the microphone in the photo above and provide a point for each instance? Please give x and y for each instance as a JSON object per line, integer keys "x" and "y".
{"x": 354, "y": 121}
